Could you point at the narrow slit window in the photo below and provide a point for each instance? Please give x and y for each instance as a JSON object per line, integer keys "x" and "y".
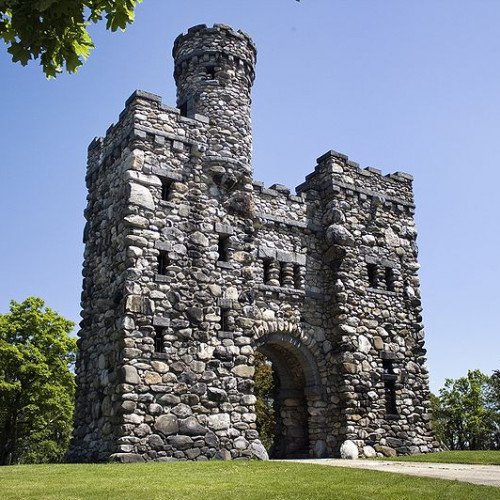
{"x": 224, "y": 320}
{"x": 390, "y": 397}
{"x": 166, "y": 189}
{"x": 389, "y": 387}
{"x": 389, "y": 279}
{"x": 372, "y": 275}
{"x": 183, "y": 108}
{"x": 266, "y": 265}
{"x": 158, "y": 340}
{"x": 297, "y": 276}
{"x": 210, "y": 70}
{"x": 223, "y": 248}
{"x": 163, "y": 262}
{"x": 387, "y": 366}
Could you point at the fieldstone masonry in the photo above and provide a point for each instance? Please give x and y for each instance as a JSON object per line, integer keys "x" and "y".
{"x": 191, "y": 267}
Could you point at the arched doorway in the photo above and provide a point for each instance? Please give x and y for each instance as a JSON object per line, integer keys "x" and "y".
{"x": 297, "y": 401}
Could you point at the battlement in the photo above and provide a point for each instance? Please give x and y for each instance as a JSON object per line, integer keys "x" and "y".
{"x": 398, "y": 176}
{"x": 132, "y": 125}
{"x": 216, "y": 33}
{"x": 212, "y": 51}
{"x": 277, "y": 191}
{"x": 335, "y": 171}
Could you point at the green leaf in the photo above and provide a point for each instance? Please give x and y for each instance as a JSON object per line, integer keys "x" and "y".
{"x": 55, "y": 31}
{"x": 19, "y": 53}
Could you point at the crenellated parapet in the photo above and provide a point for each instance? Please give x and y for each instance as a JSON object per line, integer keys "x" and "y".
{"x": 335, "y": 172}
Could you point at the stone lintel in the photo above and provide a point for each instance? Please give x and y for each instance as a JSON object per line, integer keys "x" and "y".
{"x": 282, "y": 256}
{"x": 161, "y": 321}
{"x": 223, "y": 228}
{"x": 374, "y": 259}
{"x": 167, "y": 173}
{"x": 225, "y": 303}
{"x": 388, "y": 355}
{"x": 163, "y": 245}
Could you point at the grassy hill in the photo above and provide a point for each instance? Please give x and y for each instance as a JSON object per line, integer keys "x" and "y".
{"x": 224, "y": 480}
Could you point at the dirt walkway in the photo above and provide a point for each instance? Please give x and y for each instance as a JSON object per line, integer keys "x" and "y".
{"x": 477, "y": 474}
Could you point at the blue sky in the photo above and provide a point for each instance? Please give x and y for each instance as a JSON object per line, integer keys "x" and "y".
{"x": 410, "y": 86}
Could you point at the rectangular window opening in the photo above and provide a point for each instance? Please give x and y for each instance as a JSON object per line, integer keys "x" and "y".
{"x": 389, "y": 279}
{"x": 223, "y": 248}
{"x": 158, "y": 340}
{"x": 387, "y": 366}
{"x": 297, "y": 276}
{"x": 163, "y": 262}
{"x": 210, "y": 70}
{"x": 224, "y": 320}
{"x": 390, "y": 397}
{"x": 389, "y": 387}
{"x": 372, "y": 275}
{"x": 183, "y": 108}
{"x": 266, "y": 265}
{"x": 166, "y": 189}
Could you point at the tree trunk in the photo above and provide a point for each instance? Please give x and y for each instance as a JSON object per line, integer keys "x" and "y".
{"x": 8, "y": 436}
{"x": 6, "y": 442}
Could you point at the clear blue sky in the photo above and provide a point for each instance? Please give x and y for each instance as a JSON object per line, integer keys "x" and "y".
{"x": 410, "y": 86}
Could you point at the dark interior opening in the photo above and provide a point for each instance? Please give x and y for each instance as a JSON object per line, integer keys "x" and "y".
{"x": 163, "y": 262}
{"x": 210, "y": 70}
{"x": 389, "y": 278}
{"x": 166, "y": 189}
{"x": 266, "y": 264}
{"x": 158, "y": 339}
{"x": 389, "y": 387}
{"x": 183, "y": 108}
{"x": 297, "y": 276}
{"x": 372, "y": 275}
{"x": 223, "y": 248}
{"x": 224, "y": 320}
{"x": 282, "y": 408}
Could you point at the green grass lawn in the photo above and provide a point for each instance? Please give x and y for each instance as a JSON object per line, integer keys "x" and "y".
{"x": 454, "y": 457}
{"x": 224, "y": 480}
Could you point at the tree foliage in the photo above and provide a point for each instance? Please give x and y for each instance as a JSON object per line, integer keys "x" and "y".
{"x": 265, "y": 394}
{"x": 36, "y": 383}
{"x": 467, "y": 412}
{"x": 56, "y": 31}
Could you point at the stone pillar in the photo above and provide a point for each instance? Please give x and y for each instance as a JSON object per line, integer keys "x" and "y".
{"x": 274, "y": 273}
{"x": 287, "y": 275}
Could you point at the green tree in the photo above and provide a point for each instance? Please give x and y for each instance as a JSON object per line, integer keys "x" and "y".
{"x": 265, "y": 394}
{"x": 439, "y": 418}
{"x": 494, "y": 398}
{"x": 56, "y": 31}
{"x": 464, "y": 417}
{"x": 36, "y": 383}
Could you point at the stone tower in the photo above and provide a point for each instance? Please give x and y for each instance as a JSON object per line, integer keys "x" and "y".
{"x": 191, "y": 267}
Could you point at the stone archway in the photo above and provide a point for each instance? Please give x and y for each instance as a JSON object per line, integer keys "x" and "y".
{"x": 299, "y": 403}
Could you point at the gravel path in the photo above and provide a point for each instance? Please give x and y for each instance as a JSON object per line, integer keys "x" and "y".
{"x": 477, "y": 474}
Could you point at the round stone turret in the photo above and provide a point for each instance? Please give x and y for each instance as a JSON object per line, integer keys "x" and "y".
{"x": 214, "y": 73}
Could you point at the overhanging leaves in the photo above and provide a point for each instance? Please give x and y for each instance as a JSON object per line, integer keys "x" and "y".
{"x": 56, "y": 31}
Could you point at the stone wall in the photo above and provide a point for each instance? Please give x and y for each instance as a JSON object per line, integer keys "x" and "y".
{"x": 191, "y": 266}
